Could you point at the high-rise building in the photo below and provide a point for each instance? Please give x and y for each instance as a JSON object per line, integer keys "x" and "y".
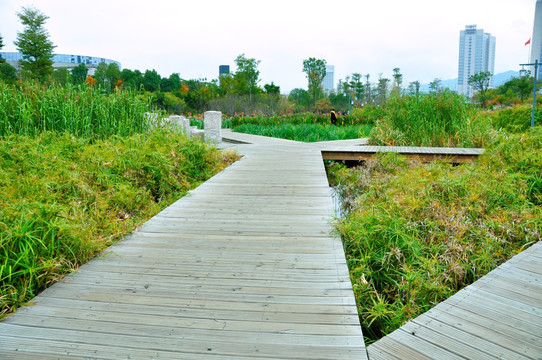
{"x": 536, "y": 39}
{"x": 329, "y": 80}
{"x": 223, "y": 70}
{"x": 476, "y": 55}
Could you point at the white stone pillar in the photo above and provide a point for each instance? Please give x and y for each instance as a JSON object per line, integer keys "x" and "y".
{"x": 185, "y": 123}
{"x": 212, "y": 125}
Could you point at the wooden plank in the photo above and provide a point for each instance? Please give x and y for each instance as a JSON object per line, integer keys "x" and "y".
{"x": 499, "y": 315}
{"x": 242, "y": 267}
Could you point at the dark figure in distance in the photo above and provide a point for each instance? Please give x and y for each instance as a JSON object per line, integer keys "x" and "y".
{"x": 333, "y": 117}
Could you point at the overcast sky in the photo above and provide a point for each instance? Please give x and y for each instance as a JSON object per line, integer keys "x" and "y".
{"x": 194, "y": 37}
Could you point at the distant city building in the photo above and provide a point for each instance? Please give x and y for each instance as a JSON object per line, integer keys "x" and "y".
{"x": 61, "y": 60}
{"x": 329, "y": 80}
{"x": 476, "y": 55}
{"x": 536, "y": 39}
{"x": 223, "y": 70}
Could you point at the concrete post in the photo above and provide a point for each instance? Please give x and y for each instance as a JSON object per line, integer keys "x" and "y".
{"x": 212, "y": 125}
{"x": 186, "y": 125}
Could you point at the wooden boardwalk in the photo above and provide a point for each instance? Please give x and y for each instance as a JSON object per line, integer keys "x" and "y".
{"x": 424, "y": 154}
{"x": 244, "y": 267}
{"x": 497, "y": 317}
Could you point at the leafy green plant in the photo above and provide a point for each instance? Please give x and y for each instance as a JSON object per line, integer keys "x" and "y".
{"x": 64, "y": 198}
{"x": 416, "y": 233}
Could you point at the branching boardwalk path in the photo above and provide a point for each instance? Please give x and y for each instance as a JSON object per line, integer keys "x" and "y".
{"x": 243, "y": 267}
{"x": 246, "y": 267}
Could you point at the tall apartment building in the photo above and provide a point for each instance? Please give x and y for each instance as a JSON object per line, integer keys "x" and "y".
{"x": 536, "y": 39}
{"x": 329, "y": 80}
{"x": 476, "y": 54}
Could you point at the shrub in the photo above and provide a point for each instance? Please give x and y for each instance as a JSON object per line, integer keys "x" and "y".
{"x": 64, "y": 199}
{"x": 417, "y": 233}
{"x": 516, "y": 118}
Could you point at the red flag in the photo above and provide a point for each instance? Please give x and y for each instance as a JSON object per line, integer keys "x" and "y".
{"x": 528, "y": 42}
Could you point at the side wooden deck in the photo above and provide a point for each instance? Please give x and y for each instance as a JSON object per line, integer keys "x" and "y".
{"x": 424, "y": 154}
{"x": 497, "y": 317}
{"x": 244, "y": 267}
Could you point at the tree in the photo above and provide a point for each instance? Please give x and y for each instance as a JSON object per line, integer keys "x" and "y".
{"x": 112, "y": 75}
{"x": 368, "y": 93}
{"x": 316, "y": 71}
{"x": 34, "y": 45}
{"x": 272, "y": 89}
{"x": 382, "y": 90}
{"x": 397, "y": 80}
{"x": 61, "y": 76}
{"x": 99, "y": 74}
{"x": 357, "y": 87}
{"x": 132, "y": 79}
{"x": 1, "y": 46}
{"x": 247, "y": 76}
{"x": 79, "y": 74}
{"x": 414, "y": 88}
{"x": 480, "y": 83}
{"x": 520, "y": 87}
{"x": 300, "y": 98}
{"x": 435, "y": 85}
{"x": 151, "y": 80}
{"x": 173, "y": 83}
{"x": 339, "y": 100}
{"x": 8, "y": 73}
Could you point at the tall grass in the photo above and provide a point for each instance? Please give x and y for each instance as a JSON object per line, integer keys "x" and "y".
{"x": 441, "y": 119}
{"x": 66, "y": 198}
{"x": 415, "y": 233}
{"x": 306, "y": 132}
{"x": 30, "y": 108}
{"x": 297, "y": 119}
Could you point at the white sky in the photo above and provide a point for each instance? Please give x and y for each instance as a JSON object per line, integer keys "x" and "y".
{"x": 194, "y": 37}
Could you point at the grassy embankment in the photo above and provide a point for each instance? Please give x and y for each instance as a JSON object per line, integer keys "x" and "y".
{"x": 79, "y": 170}
{"x": 416, "y": 233}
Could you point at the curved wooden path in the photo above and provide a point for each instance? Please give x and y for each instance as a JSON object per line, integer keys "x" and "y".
{"x": 246, "y": 267}
{"x": 242, "y": 267}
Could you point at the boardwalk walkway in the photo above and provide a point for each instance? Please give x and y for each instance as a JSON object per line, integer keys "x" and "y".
{"x": 497, "y": 317}
{"x": 245, "y": 267}
{"x": 242, "y": 267}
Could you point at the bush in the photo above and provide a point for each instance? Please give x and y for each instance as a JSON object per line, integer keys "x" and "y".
{"x": 415, "y": 234}
{"x": 516, "y": 119}
{"x": 65, "y": 199}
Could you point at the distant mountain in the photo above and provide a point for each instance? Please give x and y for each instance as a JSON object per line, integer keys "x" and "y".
{"x": 498, "y": 80}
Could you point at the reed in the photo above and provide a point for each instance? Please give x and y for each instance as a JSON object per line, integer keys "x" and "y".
{"x": 306, "y": 132}
{"x": 30, "y": 108}
{"x": 441, "y": 119}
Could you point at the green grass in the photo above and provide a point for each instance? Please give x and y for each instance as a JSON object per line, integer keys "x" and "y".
{"x": 436, "y": 120}
{"x": 64, "y": 198}
{"x": 417, "y": 233}
{"x": 306, "y": 132}
{"x": 84, "y": 111}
